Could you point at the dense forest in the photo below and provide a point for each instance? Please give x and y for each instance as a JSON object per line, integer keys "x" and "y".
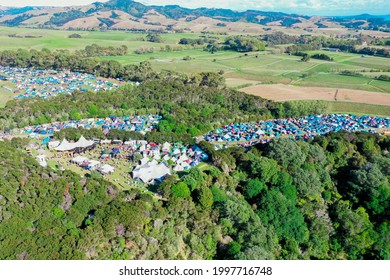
{"x": 326, "y": 199}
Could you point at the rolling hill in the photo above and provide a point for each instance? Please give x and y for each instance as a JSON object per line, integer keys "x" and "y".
{"x": 131, "y": 15}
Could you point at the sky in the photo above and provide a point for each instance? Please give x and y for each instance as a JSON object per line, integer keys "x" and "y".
{"x": 307, "y": 7}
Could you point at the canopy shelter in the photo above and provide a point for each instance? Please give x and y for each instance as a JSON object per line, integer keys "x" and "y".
{"x": 93, "y": 164}
{"x": 84, "y": 143}
{"x": 79, "y": 160}
{"x": 151, "y": 171}
{"x": 106, "y": 169}
{"x": 80, "y": 145}
{"x": 65, "y": 146}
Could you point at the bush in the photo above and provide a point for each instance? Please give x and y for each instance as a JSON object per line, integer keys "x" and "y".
{"x": 181, "y": 189}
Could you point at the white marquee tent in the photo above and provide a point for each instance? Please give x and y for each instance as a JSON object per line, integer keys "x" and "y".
{"x": 151, "y": 171}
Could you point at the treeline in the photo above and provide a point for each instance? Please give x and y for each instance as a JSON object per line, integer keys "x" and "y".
{"x": 322, "y": 56}
{"x": 59, "y": 60}
{"x": 372, "y": 51}
{"x": 304, "y": 43}
{"x": 326, "y": 199}
{"x": 242, "y": 43}
{"x": 95, "y": 50}
{"x": 298, "y": 49}
{"x": 197, "y": 41}
{"x": 166, "y": 48}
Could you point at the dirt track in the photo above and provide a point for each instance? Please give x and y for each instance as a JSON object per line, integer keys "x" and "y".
{"x": 285, "y": 93}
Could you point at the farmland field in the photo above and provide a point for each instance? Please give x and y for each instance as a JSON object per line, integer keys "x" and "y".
{"x": 288, "y": 92}
{"x": 240, "y": 70}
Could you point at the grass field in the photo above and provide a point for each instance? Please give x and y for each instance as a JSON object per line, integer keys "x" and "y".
{"x": 5, "y": 94}
{"x": 240, "y": 70}
{"x": 282, "y": 92}
{"x": 358, "y": 108}
{"x": 272, "y": 68}
{"x": 58, "y": 39}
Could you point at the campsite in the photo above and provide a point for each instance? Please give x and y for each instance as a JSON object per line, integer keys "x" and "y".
{"x": 129, "y": 164}
{"x": 29, "y": 83}
{"x": 135, "y": 131}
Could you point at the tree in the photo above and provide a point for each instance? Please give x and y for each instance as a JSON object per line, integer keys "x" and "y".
{"x": 93, "y": 111}
{"x": 205, "y": 197}
{"x": 234, "y": 248}
{"x": 254, "y": 187}
{"x": 305, "y": 57}
{"x": 266, "y": 169}
{"x": 154, "y": 37}
{"x": 218, "y": 194}
{"x": 212, "y": 48}
{"x": 181, "y": 189}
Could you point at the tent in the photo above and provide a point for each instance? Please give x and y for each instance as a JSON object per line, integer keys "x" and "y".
{"x": 42, "y": 160}
{"x": 93, "y": 164}
{"x": 84, "y": 143}
{"x": 151, "y": 171}
{"x": 65, "y": 146}
{"x": 79, "y": 160}
{"x": 106, "y": 169}
{"x": 81, "y": 144}
{"x": 53, "y": 144}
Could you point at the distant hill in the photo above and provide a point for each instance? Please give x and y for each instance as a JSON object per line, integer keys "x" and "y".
{"x": 131, "y": 15}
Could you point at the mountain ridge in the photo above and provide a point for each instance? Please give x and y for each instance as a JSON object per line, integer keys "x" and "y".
{"x": 135, "y": 15}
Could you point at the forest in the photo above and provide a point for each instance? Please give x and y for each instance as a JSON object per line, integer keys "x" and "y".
{"x": 323, "y": 199}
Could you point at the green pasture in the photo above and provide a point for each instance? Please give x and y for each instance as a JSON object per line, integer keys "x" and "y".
{"x": 58, "y": 39}
{"x": 5, "y": 94}
{"x": 240, "y": 69}
{"x": 358, "y": 108}
{"x": 271, "y": 68}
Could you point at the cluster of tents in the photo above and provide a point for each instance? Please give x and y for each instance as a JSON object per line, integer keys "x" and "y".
{"x": 93, "y": 165}
{"x": 45, "y": 83}
{"x": 299, "y": 128}
{"x": 140, "y": 124}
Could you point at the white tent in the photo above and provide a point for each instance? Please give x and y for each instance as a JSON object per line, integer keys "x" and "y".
{"x": 42, "y": 160}
{"x": 182, "y": 159}
{"x": 65, "y": 146}
{"x": 178, "y": 168}
{"x": 84, "y": 143}
{"x": 166, "y": 147}
{"x": 53, "y": 144}
{"x": 260, "y": 132}
{"x": 79, "y": 160}
{"x": 150, "y": 171}
{"x": 106, "y": 169}
{"x": 144, "y": 160}
{"x": 166, "y": 157}
{"x": 93, "y": 164}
